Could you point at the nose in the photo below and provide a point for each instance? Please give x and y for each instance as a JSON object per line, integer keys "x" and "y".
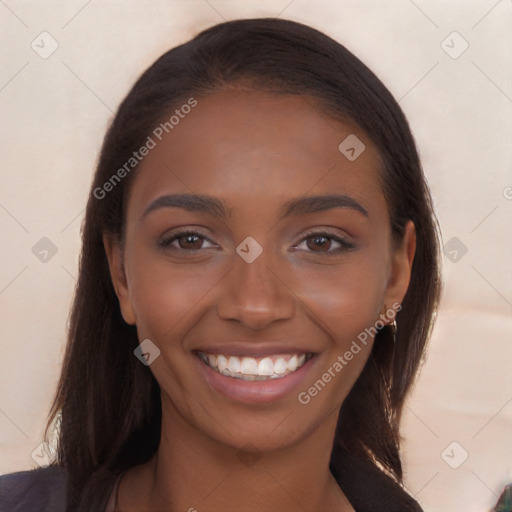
{"x": 255, "y": 295}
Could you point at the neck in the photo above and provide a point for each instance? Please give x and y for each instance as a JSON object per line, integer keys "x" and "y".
{"x": 193, "y": 472}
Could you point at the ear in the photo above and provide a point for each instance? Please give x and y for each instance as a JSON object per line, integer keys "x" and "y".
{"x": 114, "y": 254}
{"x": 401, "y": 267}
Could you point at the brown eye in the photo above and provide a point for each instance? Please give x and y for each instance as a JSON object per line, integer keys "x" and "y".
{"x": 185, "y": 240}
{"x": 322, "y": 242}
{"x": 319, "y": 242}
{"x": 189, "y": 241}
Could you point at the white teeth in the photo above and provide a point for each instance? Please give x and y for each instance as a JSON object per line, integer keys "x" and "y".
{"x": 249, "y": 366}
{"x": 266, "y": 366}
{"x": 222, "y": 362}
{"x": 251, "y": 369}
{"x": 211, "y": 359}
{"x": 292, "y": 363}
{"x": 234, "y": 365}
{"x": 280, "y": 366}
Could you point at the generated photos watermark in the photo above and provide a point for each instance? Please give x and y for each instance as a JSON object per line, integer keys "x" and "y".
{"x": 152, "y": 140}
{"x": 304, "y": 397}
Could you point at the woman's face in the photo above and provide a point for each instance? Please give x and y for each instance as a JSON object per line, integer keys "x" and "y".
{"x": 255, "y": 290}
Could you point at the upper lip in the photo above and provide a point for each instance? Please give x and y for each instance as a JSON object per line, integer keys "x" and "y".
{"x": 254, "y": 349}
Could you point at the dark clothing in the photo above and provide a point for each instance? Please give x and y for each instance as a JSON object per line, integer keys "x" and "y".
{"x": 44, "y": 490}
{"x": 37, "y": 490}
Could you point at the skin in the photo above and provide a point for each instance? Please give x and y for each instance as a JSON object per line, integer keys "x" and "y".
{"x": 253, "y": 151}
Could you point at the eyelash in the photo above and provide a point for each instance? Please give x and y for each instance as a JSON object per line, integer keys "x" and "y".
{"x": 345, "y": 244}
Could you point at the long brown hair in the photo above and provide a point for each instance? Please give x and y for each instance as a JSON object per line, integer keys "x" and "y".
{"x": 108, "y": 403}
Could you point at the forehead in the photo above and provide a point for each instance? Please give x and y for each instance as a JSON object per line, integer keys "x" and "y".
{"x": 254, "y": 148}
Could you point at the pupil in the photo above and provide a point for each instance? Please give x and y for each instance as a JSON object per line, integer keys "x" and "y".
{"x": 189, "y": 239}
{"x": 318, "y": 243}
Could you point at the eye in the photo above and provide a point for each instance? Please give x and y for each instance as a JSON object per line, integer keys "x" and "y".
{"x": 324, "y": 241}
{"x": 318, "y": 241}
{"x": 186, "y": 240}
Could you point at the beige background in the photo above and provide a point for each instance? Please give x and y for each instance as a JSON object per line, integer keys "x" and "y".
{"x": 54, "y": 114}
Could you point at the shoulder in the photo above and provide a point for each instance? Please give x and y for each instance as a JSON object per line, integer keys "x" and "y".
{"x": 36, "y": 490}
{"x": 368, "y": 488}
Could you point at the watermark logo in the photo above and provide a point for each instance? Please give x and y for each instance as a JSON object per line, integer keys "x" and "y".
{"x": 175, "y": 119}
{"x": 43, "y": 454}
{"x": 454, "y": 455}
{"x": 351, "y": 147}
{"x": 44, "y": 45}
{"x": 455, "y": 250}
{"x": 249, "y": 249}
{"x": 249, "y": 455}
{"x": 147, "y": 352}
{"x": 143, "y": 151}
{"x": 454, "y": 45}
{"x": 44, "y": 250}
{"x": 304, "y": 397}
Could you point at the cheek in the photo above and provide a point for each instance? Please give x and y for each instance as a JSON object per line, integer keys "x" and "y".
{"x": 167, "y": 298}
{"x": 345, "y": 301}
{"x": 344, "y": 298}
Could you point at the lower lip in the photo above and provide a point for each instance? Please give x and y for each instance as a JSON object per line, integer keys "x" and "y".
{"x": 254, "y": 392}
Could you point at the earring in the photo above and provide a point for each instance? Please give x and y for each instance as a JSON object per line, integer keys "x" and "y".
{"x": 393, "y": 328}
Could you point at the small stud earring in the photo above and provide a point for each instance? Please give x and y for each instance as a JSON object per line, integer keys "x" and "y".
{"x": 393, "y": 328}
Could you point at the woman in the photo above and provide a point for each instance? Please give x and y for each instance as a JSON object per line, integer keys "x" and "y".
{"x": 258, "y": 280}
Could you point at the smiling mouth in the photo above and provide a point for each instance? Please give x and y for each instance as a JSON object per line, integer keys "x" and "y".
{"x": 255, "y": 368}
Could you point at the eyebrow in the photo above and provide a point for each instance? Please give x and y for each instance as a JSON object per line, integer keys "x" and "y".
{"x": 218, "y": 209}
